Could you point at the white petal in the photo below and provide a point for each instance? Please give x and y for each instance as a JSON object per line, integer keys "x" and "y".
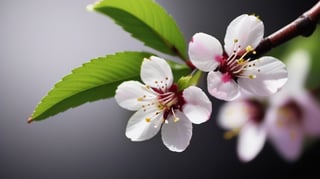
{"x": 132, "y": 95}
{"x": 251, "y": 141}
{"x": 264, "y": 76}
{"x": 205, "y": 51}
{"x": 198, "y": 107}
{"x": 176, "y": 136}
{"x": 138, "y": 129}
{"x": 287, "y": 138}
{"x": 246, "y": 30}
{"x": 156, "y": 73}
{"x": 233, "y": 115}
{"x": 298, "y": 67}
{"x": 220, "y": 88}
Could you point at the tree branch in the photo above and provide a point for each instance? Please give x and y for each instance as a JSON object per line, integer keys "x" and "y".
{"x": 304, "y": 25}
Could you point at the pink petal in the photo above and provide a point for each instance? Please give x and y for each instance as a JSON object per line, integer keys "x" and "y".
{"x": 233, "y": 115}
{"x": 132, "y": 95}
{"x": 143, "y": 125}
{"x": 310, "y": 113}
{"x": 198, "y": 107}
{"x": 205, "y": 52}
{"x": 221, "y": 88}
{"x": 298, "y": 67}
{"x": 176, "y": 136}
{"x": 251, "y": 141}
{"x": 287, "y": 138}
{"x": 246, "y": 30}
{"x": 264, "y": 76}
{"x": 156, "y": 73}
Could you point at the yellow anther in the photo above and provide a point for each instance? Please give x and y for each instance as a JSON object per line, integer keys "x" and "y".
{"x": 252, "y": 76}
{"x": 230, "y": 134}
{"x": 176, "y": 119}
{"x": 235, "y": 40}
{"x": 249, "y": 48}
{"x": 148, "y": 119}
{"x": 254, "y": 52}
{"x": 240, "y": 61}
{"x": 140, "y": 99}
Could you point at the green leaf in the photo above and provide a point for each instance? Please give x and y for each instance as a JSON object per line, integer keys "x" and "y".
{"x": 147, "y": 21}
{"x": 95, "y": 80}
{"x": 190, "y": 80}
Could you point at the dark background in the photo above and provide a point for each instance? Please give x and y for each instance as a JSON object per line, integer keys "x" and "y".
{"x": 43, "y": 40}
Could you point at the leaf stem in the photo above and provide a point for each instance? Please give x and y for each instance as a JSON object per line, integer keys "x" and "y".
{"x": 304, "y": 25}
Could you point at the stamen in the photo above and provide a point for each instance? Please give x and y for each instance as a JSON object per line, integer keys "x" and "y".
{"x": 230, "y": 134}
{"x": 148, "y": 119}
{"x": 175, "y": 118}
{"x": 252, "y": 76}
{"x": 249, "y": 48}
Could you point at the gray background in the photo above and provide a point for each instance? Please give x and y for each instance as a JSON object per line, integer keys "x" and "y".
{"x": 43, "y": 40}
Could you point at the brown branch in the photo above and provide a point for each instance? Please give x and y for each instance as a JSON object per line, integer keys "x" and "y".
{"x": 304, "y": 25}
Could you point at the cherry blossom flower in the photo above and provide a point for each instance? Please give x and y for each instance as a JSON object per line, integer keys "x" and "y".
{"x": 232, "y": 70}
{"x": 284, "y": 118}
{"x": 246, "y": 118}
{"x": 294, "y": 113}
{"x": 160, "y": 104}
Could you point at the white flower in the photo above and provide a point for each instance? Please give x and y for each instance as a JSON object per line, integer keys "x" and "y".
{"x": 159, "y": 104}
{"x": 291, "y": 115}
{"x": 294, "y": 113}
{"x": 246, "y": 118}
{"x": 232, "y": 71}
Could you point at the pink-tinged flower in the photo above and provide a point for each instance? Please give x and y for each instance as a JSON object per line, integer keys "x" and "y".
{"x": 294, "y": 113}
{"x": 231, "y": 70}
{"x": 159, "y": 104}
{"x": 245, "y": 118}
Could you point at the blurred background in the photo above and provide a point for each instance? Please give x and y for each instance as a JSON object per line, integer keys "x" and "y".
{"x": 42, "y": 40}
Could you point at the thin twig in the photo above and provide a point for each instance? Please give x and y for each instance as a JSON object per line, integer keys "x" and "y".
{"x": 304, "y": 25}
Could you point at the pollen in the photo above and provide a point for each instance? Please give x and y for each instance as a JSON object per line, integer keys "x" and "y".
{"x": 241, "y": 61}
{"x": 148, "y": 119}
{"x": 231, "y": 134}
{"x": 235, "y": 40}
{"x": 252, "y": 76}
{"x": 249, "y": 48}
{"x": 140, "y": 99}
{"x": 176, "y": 119}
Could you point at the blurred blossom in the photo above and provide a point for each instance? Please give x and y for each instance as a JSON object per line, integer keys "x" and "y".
{"x": 246, "y": 118}
{"x": 285, "y": 118}
{"x": 230, "y": 68}
{"x": 159, "y": 104}
{"x": 293, "y": 113}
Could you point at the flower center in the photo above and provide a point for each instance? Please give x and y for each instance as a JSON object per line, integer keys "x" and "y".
{"x": 169, "y": 101}
{"x": 289, "y": 114}
{"x": 232, "y": 66}
{"x": 256, "y": 110}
